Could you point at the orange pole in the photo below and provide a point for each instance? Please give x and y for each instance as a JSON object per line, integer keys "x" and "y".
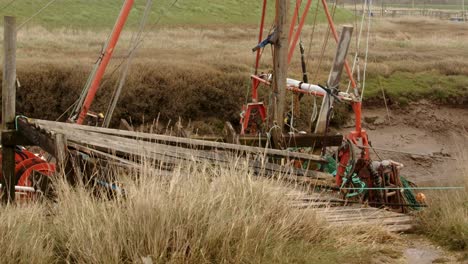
{"x": 293, "y": 21}
{"x": 105, "y": 60}
{"x": 335, "y": 35}
{"x": 260, "y": 35}
{"x": 298, "y": 31}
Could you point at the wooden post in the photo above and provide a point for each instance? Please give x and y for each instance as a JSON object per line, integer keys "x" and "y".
{"x": 334, "y": 78}
{"x": 280, "y": 71}
{"x": 61, "y": 150}
{"x": 8, "y": 108}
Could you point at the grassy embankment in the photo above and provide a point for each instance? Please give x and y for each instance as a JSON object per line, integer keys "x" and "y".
{"x": 81, "y": 14}
{"x": 201, "y": 72}
{"x": 201, "y": 214}
{"x": 200, "y": 51}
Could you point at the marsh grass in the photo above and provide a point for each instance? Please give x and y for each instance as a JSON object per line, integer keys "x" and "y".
{"x": 200, "y": 214}
{"x": 202, "y": 72}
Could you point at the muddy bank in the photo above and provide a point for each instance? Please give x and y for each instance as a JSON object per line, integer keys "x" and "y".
{"x": 427, "y": 138}
{"x": 208, "y": 93}
{"x": 171, "y": 91}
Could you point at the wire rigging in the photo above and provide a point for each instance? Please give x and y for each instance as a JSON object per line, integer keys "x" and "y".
{"x": 367, "y": 48}
{"x": 358, "y": 46}
{"x": 114, "y": 71}
{"x": 37, "y": 13}
{"x": 119, "y": 86}
{"x": 7, "y": 5}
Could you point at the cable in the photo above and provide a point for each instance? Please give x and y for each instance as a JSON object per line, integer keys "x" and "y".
{"x": 358, "y": 46}
{"x": 7, "y": 5}
{"x": 367, "y": 49}
{"x": 312, "y": 36}
{"x": 120, "y": 84}
{"x": 324, "y": 45}
{"x": 35, "y": 14}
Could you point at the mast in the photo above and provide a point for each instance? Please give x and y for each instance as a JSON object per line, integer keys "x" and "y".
{"x": 280, "y": 70}
{"x": 106, "y": 56}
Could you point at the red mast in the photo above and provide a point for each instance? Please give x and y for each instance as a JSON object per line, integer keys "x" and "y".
{"x": 105, "y": 60}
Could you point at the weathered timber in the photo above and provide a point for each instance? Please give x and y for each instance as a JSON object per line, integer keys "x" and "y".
{"x": 8, "y": 180}
{"x": 334, "y": 79}
{"x": 179, "y": 141}
{"x": 61, "y": 150}
{"x": 13, "y": 138}
{"x": 169, "y": 154}
{"x": 280, "y": 72}
{"x": 36, "y": 136}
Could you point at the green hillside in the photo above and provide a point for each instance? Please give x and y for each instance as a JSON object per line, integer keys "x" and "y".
{"x": 102, "y": 13}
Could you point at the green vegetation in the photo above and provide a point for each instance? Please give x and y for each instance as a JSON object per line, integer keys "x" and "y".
{"x": 99, "y": 14}
{"x": 403, "y": 87}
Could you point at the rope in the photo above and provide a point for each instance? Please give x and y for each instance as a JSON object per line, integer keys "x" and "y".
{"x": 84, "y": 92}
{"x": 35, "y": 14}
{"x": 312, "y": 36}
{"x": 119, "y": 86}
{"x": 325, "y": 44}
{"x": 358, "y": 46}
{"x": 7, "y": 5}
{"x": 66, "y": 111}
{"x": 314, "y": 113}
{"x": 16, "y": 120}
{"x": 367, "y": 49}
{"x": 408, "y": 194}
{"x": 410, "y": 188}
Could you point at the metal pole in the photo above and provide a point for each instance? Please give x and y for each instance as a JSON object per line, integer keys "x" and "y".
{"x": 8, "y": 107}
{"x": 105, "y": 59}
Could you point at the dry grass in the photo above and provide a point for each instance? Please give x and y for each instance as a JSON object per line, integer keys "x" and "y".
{"x": 201, "y": 214}
{"x": 446, "y": 218}
{"x": 201, "y": 72}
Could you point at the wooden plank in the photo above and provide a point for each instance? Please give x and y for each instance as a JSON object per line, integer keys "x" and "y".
{"x": 8, "y": 180}
{"x": 385, "y": 221}
{"x": 180, "y": 141}
{"x": 403, "y": 218}
{"x": 399, "y": 228}
{"x": 162, "y": 152}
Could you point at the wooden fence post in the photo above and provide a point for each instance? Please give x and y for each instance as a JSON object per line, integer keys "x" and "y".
{"x": 8, "y": 108}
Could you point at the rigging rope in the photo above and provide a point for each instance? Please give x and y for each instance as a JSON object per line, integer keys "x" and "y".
{"x": 119, "y": 86}
{"x": 358, "y": 46}
{"x": 7, "y": 5}
{"x": 36, "y": 14}
{"x": 367, "y": 48}
{"x": 124, "y": 59}
{"x": 325, "y": 44}
{"x": 312, "y": 35}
